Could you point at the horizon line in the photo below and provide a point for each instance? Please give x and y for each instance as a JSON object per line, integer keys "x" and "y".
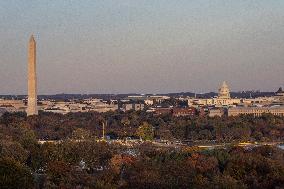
{"x": 255, "y": 91}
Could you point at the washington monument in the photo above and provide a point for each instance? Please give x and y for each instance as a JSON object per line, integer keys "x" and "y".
{"x": 32, "y": 81}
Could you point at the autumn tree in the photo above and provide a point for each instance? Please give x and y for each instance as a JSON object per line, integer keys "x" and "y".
{"x": 14, "y": 175}
{"x": 146, "y": 131}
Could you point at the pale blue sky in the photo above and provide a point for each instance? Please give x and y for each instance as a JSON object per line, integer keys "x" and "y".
{"x": 154, "y": 46}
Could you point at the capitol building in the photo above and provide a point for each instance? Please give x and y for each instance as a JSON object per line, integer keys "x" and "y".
{"x": 225, "y": 105}
{"x": 223, "y": 98}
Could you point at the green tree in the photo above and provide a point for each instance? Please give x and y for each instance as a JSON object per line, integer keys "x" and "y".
{"x": 125, "y": 121}
{"x": 146, "y": 131}
{"x": 81, "y": 134}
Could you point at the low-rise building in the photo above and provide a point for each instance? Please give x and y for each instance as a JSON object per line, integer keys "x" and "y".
{"x": 149, "y": 102}
{"x": 138, "y": 107}
{"x": 178, "y": 112}
{"x": 17, "y": 104}
{"x": 259, "y": 101}
{"x": 12, "y": 105}
{"x": 134, "y": 106}
{"x": 161, "y": 111}
{"x": 256, "y": 111}
{"x": 216, "y": 112}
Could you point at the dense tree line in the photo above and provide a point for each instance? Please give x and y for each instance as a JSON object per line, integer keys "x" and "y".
{"x": 77, "y": 163}
{"x": 49, "y": 126}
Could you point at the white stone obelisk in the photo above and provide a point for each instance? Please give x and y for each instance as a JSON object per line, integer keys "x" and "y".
{"x": 32, "y": 80}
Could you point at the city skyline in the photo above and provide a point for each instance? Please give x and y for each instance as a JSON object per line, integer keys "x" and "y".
{"x": 146, "y": 48}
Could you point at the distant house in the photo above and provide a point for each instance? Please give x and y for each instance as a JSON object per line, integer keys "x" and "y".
{"x": 216, "y": 112}
{"x": 178, "y": 112}
{"x": 161, "y": 111}
{"x": 138, "y": 107}
{"x": 134, "y": 106}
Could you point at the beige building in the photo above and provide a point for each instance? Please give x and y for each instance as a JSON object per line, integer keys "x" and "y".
{"x": 87, "y": 105}
{"x": 17, "y": 104}
{"x": 216, "y": 112}
{"x": 277, "y": 99}
{"x": 262, "y": 101}
{"x": 256, "y": 111}
{"x": 12, "y": 105}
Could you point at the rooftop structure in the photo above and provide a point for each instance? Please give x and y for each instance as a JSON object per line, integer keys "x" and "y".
{"x": 280, "y": 92}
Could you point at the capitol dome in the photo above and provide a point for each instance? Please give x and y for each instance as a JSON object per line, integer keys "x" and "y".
{"x": 224, "y": 91}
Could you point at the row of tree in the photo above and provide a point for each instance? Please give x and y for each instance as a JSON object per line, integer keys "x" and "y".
{"x": 24, "y": 163}
{"x": 99, "y": 165}
{"x": 49, "y": 126}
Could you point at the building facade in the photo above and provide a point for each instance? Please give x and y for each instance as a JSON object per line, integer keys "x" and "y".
{"x": 256, "y": 111}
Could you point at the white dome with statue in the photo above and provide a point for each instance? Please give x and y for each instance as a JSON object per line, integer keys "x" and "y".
{"x": 224, "y": 91}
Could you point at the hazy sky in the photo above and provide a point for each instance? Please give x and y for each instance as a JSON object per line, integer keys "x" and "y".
{"x": 119, "y": 46}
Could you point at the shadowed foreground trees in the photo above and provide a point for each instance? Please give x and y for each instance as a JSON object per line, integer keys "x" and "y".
{"x": 79, "y": 161}
{"x": 13, "y": 174}
{"x": 99, "y": 165}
